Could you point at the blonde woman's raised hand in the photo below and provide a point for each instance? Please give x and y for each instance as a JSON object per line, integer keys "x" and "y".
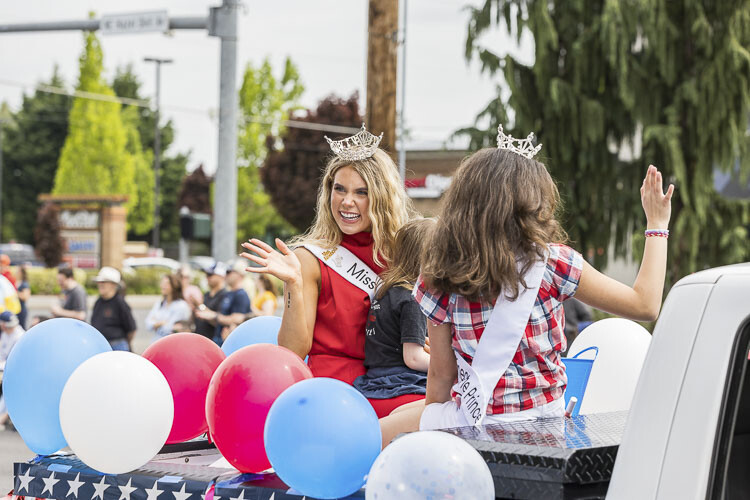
{"x": 656, "y": 204}
{"x": 281, "y": 263}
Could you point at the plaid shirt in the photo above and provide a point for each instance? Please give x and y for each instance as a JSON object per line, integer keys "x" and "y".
{"x": 535, "y": 376}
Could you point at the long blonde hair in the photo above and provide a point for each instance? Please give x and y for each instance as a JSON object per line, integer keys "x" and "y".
{"x": 411, "y": 240}
{"x": 500, "y": 209}
{"x": 389, "y": 207}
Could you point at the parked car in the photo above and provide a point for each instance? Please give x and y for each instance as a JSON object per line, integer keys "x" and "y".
{"x": 201, "y": 262}
{"x": 132, "y": 263}
{"x": 20, "y": 253}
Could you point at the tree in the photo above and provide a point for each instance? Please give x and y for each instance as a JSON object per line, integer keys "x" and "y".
{"x": 49, "y": 242}
{"x": 95, "y": 159}
{"x": 141, "y": 215}
{"x": 265, "y": 102}
{"x": 684, "y": 71}
{"x": 570, "y": 99}
{"x": 604, "y": 71}
{"x": 292, "y": 175}
{"x": 173, "y": 167}
{"x": 195, "y": 192}
{"x": 32, "y": 140}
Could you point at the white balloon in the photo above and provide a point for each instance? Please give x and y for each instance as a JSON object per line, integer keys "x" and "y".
{"x": 429, "y": 464}
{"x": 116, "y": 411}
{"x": 623, "y": 345}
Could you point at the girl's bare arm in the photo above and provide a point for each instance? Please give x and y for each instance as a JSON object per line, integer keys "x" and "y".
{"x": 442, "y": 371}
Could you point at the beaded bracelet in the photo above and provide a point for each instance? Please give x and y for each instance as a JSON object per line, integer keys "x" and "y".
{"x": 664, "y": 233}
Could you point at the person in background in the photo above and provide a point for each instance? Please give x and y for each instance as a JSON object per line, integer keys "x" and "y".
{"x": 205, "y": 314}
{"x": 190, "y": 293}
{"x": 10, "y": 333}
{"x": 169, "y": 310}
{"x": 36, "y": 319}
{"x": 24, "y": 292}
{"x": 111, "y": 314}
{"x": 264, "y": 301}
{"x": 5, "y": 269}
{"x": 234, "y": 306}
{"x": 74, "y": 296}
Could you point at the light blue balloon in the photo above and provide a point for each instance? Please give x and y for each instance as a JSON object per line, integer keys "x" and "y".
{"x": 36, "y": 372}
{"x": 322, "y": 436}
{"x": 259, "y": 330}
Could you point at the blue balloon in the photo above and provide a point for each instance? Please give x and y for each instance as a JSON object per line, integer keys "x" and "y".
{"x": 322, "y": 437}
{"x": 36, "y": 372}
{"x": 259, "y": 330}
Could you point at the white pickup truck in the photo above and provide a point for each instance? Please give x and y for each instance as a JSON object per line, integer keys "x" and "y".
{"x": 686, "y": 436}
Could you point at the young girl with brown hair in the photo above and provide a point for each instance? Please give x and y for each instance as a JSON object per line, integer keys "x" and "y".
{"x": 492, "y": 287}
{"x": 395, "y": 355}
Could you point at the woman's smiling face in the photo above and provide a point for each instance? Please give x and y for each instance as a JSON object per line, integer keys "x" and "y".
{"x": 350, "y": 202}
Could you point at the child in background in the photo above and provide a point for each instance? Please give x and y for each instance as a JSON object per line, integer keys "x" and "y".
{"x": 395, "y": 356}
{"x": 492, "y": 288}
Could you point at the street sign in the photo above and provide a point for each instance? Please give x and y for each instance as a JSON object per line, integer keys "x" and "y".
{"x": 137, "y": 22}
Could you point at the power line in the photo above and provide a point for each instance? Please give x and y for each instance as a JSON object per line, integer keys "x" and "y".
{"x": 144, "y": 103}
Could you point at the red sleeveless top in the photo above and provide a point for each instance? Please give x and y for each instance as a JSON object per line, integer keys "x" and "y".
{"x": 338, "y": 347}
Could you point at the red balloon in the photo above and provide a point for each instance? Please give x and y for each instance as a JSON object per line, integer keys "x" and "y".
{"x": 240, "y": 394}
{"x": 187, "y": 361}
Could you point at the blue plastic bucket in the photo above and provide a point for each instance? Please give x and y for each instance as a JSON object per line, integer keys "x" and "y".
{"x": 578, "y": 371}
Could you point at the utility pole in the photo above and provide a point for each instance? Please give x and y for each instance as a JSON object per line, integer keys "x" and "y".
{"x": 382, "y": 59}
{"x": 402, "y": 108}
{"x": 223, "y": 23}
{"x": 157, "y": 148}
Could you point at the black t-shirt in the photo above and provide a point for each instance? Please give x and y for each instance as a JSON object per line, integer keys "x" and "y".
{"x": 113, "y": 318}
{"x": 212, "y": 302}
{"x": 393, "y": 320}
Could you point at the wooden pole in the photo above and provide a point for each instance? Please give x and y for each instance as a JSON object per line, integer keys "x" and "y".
{"x": 382, "y": 59}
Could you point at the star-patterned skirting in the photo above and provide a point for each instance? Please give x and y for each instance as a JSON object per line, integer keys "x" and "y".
{"x": 67, "y": 478}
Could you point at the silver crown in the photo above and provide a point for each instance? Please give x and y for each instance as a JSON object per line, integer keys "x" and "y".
{"x": 523, "y": 147}
{"x": 356, "y": 147}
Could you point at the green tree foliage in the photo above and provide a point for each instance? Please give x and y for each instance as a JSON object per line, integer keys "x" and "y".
{"x": 608, "y": 72}
{"x": 95, "y": 157}
{"x": 141, "y": 215}
{"x": 32, "y": 140}
{"x": 684, "y": 71}
{"x": 569, "y": 98}
{"x": 265, "y": 102}
{"x": 173, "y": 168}
{"x": 297, "y": 168}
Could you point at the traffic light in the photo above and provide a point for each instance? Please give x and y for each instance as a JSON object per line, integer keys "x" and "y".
{"x": 195, "y": 226}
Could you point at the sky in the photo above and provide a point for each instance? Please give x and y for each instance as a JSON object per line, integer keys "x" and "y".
{"x": 326, "y": 39}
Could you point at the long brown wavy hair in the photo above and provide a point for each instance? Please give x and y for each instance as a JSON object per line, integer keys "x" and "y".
{"x": 410, "y": 243}
{"x": 390, "y": 207}
{"x": 499, "y": 210}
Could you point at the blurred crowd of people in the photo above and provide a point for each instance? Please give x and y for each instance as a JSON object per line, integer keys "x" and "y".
{"x": 183, "y": 306}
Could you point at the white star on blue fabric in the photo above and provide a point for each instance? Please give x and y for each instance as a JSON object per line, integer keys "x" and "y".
{"x": 49, "y": 483}
{"x": 241, "y": 497}
{"x": 25, "y": 480}
{"x": 99, "y": 489}
{"x": 75, "y": 484}
{"x": 126, "y": 490}
{"x": 154, "y": 492}
{"x": 181, "y": 495}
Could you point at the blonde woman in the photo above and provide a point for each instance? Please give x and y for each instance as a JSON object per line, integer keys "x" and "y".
{"x": 331, "y": 275}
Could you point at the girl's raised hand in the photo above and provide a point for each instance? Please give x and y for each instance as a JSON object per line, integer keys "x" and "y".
{"x": 656, "y": 204}
{"x": 282, "y": 263}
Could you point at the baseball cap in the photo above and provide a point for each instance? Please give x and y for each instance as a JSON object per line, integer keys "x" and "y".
{"x": 219, "y": 269}
{"x": 237, "y": 265}
{"x": 8, "y": 318}
{"x": 109, "y": 274}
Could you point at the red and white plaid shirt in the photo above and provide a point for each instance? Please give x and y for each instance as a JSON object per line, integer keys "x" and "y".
{"x": 535, "y": 376}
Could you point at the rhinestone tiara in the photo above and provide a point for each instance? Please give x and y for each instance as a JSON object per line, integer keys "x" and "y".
{"x": 523, "y": 147}
{"x": 356, "y": 147}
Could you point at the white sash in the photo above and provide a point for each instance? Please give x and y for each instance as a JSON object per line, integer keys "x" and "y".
{"x": 348, "y": 266}
{"x": 496, "y": 347}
